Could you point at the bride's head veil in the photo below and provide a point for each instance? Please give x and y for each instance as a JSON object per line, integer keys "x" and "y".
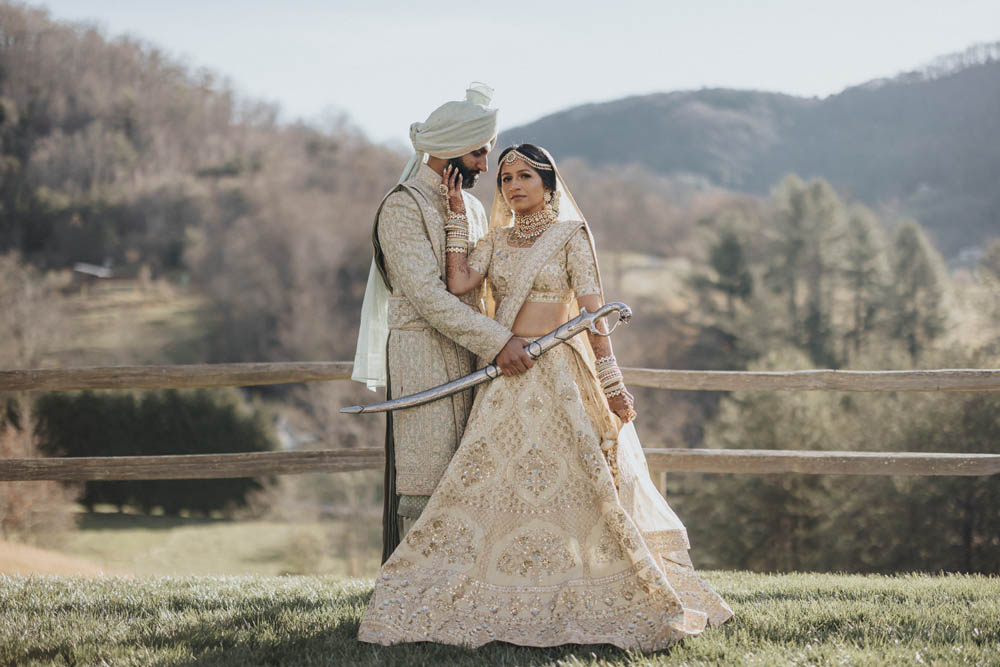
{"x": 501, "y": 215}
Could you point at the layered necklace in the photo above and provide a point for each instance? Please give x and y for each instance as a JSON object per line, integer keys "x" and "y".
{"x": 529, "y": 227}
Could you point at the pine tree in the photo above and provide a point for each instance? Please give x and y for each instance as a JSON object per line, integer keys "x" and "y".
{"x": 734, "y": 280}
{"x": 809, "y": 232}
{"x": 917, "y": 312}
{"x": 865, "y": 276}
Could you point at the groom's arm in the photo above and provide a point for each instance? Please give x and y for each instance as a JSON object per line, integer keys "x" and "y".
{"x": 414, "y": 270}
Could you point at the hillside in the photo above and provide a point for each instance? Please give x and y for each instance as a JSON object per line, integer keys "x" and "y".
{"x": 922, "y": 144}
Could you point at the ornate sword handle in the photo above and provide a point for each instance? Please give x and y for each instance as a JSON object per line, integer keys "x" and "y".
{"x": 624, "y": 316}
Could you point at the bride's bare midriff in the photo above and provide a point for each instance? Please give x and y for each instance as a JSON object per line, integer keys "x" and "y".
{"x": 537, "y": 319}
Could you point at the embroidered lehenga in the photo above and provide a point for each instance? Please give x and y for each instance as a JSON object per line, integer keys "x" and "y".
{"x": 545, "y": 528}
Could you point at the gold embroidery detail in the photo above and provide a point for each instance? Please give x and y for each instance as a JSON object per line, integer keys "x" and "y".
{"x": 443, "y": 537}
{"x": 476, "y": 465}
{"x": 536, "y": 472}
{"x": 608, "y": 549}
{"x": 535, "y": 553}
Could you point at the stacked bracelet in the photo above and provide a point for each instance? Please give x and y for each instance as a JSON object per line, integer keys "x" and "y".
{"x": 456, "y": 231}
{"x": 605, "y": 362}
{"x": 610, "y": 376}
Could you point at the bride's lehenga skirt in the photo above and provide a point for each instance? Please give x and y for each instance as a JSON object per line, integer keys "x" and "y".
{"x": 532, "y": 538}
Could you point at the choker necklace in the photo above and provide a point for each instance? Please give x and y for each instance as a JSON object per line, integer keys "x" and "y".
{"x": 529, "y": 227}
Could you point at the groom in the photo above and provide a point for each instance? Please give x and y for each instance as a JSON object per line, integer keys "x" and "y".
{"x": 433, "y": 336}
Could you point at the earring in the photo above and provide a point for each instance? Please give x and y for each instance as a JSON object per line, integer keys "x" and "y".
{"x": 548, "y": 200}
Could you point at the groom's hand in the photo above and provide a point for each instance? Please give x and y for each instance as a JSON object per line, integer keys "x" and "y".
{"x": 513, "y": 360}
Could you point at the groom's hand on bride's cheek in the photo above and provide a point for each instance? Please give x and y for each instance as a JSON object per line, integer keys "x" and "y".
{"x": 513, "y": 360}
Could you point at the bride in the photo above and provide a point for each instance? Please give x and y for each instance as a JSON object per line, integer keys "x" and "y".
{"x": 546, "y": 528}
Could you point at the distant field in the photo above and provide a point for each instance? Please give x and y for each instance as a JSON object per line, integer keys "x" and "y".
{"x": 17, "y": 558}
{"x": 130, "y": 322}
{"x": 797, "y": 619}
{"x": 159, "y": 545}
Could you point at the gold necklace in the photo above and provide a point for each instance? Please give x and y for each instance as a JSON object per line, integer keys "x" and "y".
{"x": 529, "y": 227}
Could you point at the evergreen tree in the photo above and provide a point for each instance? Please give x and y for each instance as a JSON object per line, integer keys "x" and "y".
{"x": 916, "y": 310}
{"x": 865, "y": 276}
{"x": 733, "y": 280}
{"x": 159, "y": 423}
{"x": 809, "y": 232}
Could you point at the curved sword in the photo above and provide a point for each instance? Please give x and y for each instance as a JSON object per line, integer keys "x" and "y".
{"x": 583, "y": 322}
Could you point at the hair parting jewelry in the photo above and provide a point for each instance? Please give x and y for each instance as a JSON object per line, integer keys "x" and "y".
{"x": 514, "y": 155}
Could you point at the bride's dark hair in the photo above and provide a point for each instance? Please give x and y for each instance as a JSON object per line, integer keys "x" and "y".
{"x": 533, "y": 152}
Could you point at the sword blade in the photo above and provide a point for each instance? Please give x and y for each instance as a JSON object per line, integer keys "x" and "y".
{"x": 429, "y": 395}
{"x": 535, "y": 349}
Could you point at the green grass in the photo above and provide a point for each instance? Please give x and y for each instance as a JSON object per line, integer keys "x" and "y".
{"x": 805, "y": 619}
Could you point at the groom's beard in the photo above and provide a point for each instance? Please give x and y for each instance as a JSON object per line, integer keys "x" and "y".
{"x": 469, "y": 176}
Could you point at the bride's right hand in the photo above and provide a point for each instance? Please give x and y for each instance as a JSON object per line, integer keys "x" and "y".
{"x": 452, "y": 179}
{"x": 623, "y": 405}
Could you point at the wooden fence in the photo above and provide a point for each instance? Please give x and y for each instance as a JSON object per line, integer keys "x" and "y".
{"x": 204, "y": 466}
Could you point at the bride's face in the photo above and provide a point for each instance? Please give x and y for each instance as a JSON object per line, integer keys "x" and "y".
{"x": 522, "y": 188}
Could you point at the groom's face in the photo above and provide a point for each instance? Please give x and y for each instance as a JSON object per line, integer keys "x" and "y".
{"x": 471, "y": 165}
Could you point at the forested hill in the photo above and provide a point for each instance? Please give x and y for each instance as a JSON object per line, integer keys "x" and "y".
{"x": 925, "y": 143}
{"x": 112, "y": 152}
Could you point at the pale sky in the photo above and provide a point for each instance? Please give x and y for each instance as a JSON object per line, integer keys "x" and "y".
{"x": 388, "y": 64}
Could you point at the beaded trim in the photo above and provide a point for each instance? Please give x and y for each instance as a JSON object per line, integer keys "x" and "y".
{"x": 543, "y": 296}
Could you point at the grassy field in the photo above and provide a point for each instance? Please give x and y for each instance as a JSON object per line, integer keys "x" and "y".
{"x": 800, "y": 619}
{"x": 178, "y": 546}
{"x": 131, "y": 322}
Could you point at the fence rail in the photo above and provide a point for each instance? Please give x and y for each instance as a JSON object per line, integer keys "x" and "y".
{"x": 242, "y": 375}
{"x": 744, "y": 461}
{"x": 254, "y": 464}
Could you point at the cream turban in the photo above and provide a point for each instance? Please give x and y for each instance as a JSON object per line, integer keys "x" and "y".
{"x": 452, "y": 130}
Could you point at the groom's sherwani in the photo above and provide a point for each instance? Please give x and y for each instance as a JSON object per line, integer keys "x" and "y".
{"x": 434, "y": 335}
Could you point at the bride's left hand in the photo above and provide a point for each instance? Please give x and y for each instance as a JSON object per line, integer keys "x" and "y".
{"x": 623, "y": 405}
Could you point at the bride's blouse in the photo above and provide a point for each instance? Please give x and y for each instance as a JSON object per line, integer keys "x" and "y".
{"x": 569, "y": 272}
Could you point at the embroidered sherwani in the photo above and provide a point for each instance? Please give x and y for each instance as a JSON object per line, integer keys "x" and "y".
{"x": 546, "y": 528}
{"x": 434, "y": 336}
